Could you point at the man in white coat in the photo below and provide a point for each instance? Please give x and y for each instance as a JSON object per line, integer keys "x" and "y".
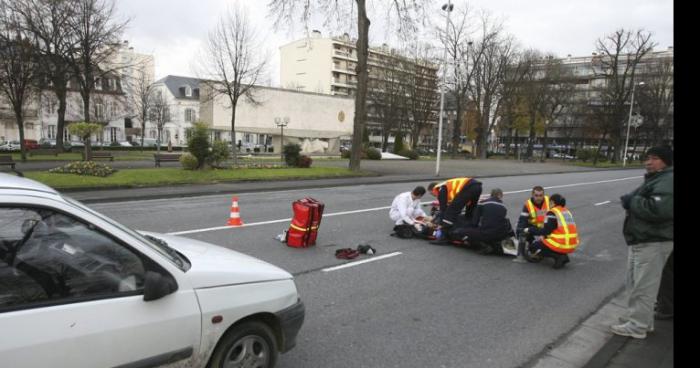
{"x": 405, "y": 209}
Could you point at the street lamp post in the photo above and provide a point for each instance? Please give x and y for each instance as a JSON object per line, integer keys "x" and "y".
{"x": 448, "y": 8}
{"x": 629, "y": 121}
{"x": 282, "y": 122}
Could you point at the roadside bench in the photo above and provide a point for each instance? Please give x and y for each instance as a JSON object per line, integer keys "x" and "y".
{"x": 7, "y": 160}
{"x": 43, "y": 151}
{"x": 101, "y": 155}
{"x": 166, "y": 157}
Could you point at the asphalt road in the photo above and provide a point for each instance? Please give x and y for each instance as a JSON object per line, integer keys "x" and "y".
{"x": 425, "y": 306}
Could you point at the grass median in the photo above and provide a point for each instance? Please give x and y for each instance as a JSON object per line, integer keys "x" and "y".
{"x": 133, "y": 178}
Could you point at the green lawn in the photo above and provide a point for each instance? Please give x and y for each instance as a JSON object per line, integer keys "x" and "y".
{"x": 176, "y": 176}
{"x": 606, "y": 165}
{"x": 76, "y": 156}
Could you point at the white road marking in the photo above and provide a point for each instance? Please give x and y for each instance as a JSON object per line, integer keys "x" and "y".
{"x": 353, "y": 264}
{"x": 378, "y": 208}
{"x": 601, "y": 203}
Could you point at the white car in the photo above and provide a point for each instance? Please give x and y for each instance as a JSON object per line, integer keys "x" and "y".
{"x": 78, "y": 289}
{"x": 10, "y": 146}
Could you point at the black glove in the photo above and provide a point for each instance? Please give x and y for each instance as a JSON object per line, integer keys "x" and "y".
{"x": 625, "y": 200}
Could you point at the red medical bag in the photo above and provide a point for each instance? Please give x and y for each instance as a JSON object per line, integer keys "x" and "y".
{"x": 304, "y": 227}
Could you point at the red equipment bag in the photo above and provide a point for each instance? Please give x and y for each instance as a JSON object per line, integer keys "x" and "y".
{"x": 303, "y": 230}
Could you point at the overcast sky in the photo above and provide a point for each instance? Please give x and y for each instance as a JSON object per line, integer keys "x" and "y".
{"x": 174, "y": 30}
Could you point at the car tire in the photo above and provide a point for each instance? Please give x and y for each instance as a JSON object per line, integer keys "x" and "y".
{"x": 248, "y": 344}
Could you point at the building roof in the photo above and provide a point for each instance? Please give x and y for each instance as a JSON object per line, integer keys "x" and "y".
{"x": 174, "y": 82}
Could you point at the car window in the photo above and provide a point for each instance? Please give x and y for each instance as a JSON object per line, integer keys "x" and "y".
{"x": 47, "y": 256}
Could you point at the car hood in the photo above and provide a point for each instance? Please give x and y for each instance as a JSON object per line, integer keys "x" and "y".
{"x": 213, "y": 265}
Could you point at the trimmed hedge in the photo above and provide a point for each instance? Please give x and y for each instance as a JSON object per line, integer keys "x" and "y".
{"x": 408, "y": 153}
{"x": 374, "y": 154}
{"x": 304, "y": 161}
{"x": 188, "y": 161}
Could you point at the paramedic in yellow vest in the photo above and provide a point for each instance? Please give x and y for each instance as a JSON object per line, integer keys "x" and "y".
{"x": 558, "y": 237}
{"x": 534, "y": 212}
{"x": 455, "y": 195}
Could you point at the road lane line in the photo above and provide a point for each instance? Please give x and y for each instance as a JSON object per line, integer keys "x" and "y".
{"x": 601, "y": 203}
{"x": 380, "y": 208}
{"x": 353, "y": 264}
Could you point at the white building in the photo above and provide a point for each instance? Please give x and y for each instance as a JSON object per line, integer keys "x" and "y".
{"x": 318, "y": 122}
{"x": 183, "y": 99}
{"x": 109, "y": 103}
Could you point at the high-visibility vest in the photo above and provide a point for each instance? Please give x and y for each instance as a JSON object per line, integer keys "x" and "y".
{"x": 537, "y": 215}
{"x": 454, "y": 186}
{"x": 564, "y": 239}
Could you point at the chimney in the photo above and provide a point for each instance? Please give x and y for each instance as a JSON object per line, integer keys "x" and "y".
{"x": 568, "y": 56}
{"x": 594, "y": 54}
{"x": 316, "y": 33}
{"x": 670, "y": 48}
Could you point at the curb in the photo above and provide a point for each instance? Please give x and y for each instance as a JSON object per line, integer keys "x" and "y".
{"x": 299, "y": 184}
{"x": 588, "y": 345}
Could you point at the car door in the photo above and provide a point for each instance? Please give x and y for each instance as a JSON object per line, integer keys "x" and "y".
{"x": 71, "y": 295}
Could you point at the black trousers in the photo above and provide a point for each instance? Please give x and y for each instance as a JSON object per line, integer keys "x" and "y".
{"x": 664, "y": 300}
{"x": 471, "y": 193}
{"x": 544, "y": 250}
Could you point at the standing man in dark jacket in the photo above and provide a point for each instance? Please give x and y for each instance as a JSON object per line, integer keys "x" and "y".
{"x": 648, "y": 230}
{"x": 490, "y": 224}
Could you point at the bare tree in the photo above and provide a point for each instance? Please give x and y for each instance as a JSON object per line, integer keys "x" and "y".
{"x": 387, "y": 89}
{"x": 233, "y": 63}
{"x": 289, "y": 12}
{"x": 46, "y": 23}
{"x": 621, "y": 53}
{"x": 492, "y": 55}
{"x": 159, "y": 114}
{"x": 656, "y": 100}
{"x": 96, "y": 35}
{"x": 18, "y": 68}
{"x": 422, "y": 92}
{"x": 558, "y": 97}
{"x": 141, "y": 96}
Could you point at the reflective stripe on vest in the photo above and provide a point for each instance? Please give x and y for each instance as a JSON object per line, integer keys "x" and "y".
{"x": 537, "y": 216}
{"x": 564, "y": 239}
{"x": 454, "y": 186}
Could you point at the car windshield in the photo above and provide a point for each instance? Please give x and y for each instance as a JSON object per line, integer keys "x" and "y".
{"x": 159, "y": 245}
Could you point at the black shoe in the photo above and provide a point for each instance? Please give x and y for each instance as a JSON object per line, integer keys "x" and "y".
{"x": 485, "y": 249}
{"x": 663, "y": 316}
{"x": 560, "y": 261}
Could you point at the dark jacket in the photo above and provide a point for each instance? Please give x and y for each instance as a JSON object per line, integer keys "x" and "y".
{"x": 491, "y": 217}
{"x": 650, "y": 209}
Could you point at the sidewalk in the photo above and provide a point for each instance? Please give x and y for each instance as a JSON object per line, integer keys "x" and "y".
{"x": 592, "y": 345}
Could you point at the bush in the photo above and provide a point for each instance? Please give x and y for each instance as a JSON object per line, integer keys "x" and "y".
{"x": 374, "y": 154}
{"x": 291, "y": 153}
{"x": 220, "y": 152}
{"x": 88, "y": 168}
{"x": 408, "y": 153}
{"x": 115, "y": 144}
{"x": 346, "y": 154}
{"x": 304, "y": 161}
{"x": 398, "y": 144}
{"x": 198, "y": 143}
{"x": 188, "y": 161}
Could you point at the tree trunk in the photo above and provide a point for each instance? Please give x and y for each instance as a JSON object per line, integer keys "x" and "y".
{"x": 457, "y": 129}
{"x": 531, "y": 139}
{"x": 361, "y": 97}
{"x": 234, "y": 102}
{"x": 20, "y": 126}
{"x": 544, "y": 145}
{"x": 61, "y": 121}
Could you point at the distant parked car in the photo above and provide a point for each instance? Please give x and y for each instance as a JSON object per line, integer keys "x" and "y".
{"x": 31, "y": 144}
{"x": 10, "y": 146}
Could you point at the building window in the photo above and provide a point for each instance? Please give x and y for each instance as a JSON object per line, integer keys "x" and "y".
{"x": 52, "y": 132}
{"x": 188, "y": 91}
{"x": 217, "y": 135}
{"x": 189, "y": 115}
{"x": 113, "y": 134}
{"x": 99, "y": 111}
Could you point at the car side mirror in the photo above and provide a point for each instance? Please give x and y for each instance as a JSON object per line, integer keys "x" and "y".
{"x": 157, "y": 286}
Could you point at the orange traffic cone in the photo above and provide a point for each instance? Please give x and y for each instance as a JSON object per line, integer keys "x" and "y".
{"x": 235, "y": 219}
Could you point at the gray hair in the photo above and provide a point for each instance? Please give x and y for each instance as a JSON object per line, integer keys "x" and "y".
{"x": 496, "y": 192}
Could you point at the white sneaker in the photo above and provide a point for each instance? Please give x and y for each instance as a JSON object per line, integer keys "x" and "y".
{"x": 625, "y": 329}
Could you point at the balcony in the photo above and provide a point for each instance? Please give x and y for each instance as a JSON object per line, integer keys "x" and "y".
{"x": 344, "y": 55}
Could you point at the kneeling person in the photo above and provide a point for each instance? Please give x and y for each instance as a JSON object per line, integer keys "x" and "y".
{"x": 559, "y": 235}
{"x": 407, "y": 213}
{"x": 492, "y": 224}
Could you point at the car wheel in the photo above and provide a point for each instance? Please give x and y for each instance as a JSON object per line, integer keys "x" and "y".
{"x": 251, "y": 344}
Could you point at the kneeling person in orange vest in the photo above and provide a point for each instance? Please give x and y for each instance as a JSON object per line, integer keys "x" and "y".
{"x": 455, "y": 195}
{"x": 558, "y": 236}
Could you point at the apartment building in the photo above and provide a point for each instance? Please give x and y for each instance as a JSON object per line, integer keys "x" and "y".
{"x": 327, "y": 66}
{"x": 183, "y": 99}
